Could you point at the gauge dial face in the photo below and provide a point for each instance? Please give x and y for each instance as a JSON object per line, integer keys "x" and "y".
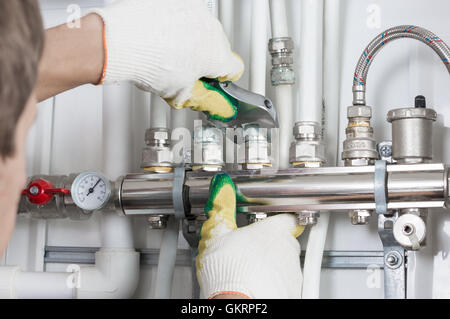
{"x": 90, "y": 191}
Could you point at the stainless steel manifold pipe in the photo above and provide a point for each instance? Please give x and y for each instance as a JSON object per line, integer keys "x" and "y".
{"x": 292, "y": 190}
{"x": 398, "y": 32}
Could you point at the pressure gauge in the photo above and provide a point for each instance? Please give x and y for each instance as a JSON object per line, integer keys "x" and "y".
{"x": 90, "y": 191}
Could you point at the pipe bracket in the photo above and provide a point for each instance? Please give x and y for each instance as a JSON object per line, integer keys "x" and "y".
{"x": 380, "y": 187}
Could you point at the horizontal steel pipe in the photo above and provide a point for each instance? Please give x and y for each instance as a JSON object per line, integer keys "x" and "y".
{"x": 328, "y": 188}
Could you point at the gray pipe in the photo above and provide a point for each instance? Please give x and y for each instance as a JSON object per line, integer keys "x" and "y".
{"x": 167, "y": 259}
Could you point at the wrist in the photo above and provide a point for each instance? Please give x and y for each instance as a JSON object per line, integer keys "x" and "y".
{"x": 95, "y": 41}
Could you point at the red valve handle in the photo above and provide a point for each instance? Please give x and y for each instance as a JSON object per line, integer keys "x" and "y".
{"x": 40, "y": 192}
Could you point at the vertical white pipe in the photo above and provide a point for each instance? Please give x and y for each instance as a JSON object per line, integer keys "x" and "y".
{"x": 116, "y": 230}
{"x": 258, "y": 50}
{"x": 278, "y": 16}
{"x": 313, "y": 257}
{"x": 331, "y": 82}
{"x": 226, "y": 15}
{"x": 283, "y": 93}
{"x": 213, "y": 7}
{"x": 116, "y": 130}
{"x": 310, "y": 66}
{"x": 167, "y": 259}
{"x": 332, "y": 78}
{"x": 158, "y": 112}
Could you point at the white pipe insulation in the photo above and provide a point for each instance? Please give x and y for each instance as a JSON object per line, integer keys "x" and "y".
{"x": 258, "y": 49}
{"x": 283, "y": 93}
{"x": 331, "y": 85}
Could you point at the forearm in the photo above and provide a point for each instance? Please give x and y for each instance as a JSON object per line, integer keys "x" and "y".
{"x": 72, "y": 57}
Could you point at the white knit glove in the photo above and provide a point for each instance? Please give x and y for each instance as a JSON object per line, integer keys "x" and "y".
{"x": 261, "y": 260}
{"x": 166, "y": 46}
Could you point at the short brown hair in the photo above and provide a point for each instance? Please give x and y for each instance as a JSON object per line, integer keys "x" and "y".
{"x": 21, "y": 45}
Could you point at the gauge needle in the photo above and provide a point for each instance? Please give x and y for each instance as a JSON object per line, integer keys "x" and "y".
{"x": 91, "y": 190}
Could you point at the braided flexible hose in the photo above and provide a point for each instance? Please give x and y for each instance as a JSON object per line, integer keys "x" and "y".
{"x": 398, "y": 32}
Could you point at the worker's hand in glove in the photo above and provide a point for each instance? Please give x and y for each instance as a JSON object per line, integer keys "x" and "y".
{"x": 166, "y": 46}
{"x": 261, "y": 260}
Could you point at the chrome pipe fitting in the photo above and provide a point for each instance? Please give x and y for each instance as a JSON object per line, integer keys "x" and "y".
{"x": 208, "y": 149}
{"x": 412, "y": 132}
{"x": 257, "y": 148}
{"x": 157, "y": 156}
{"x": 360, "y": 147}
{"x": 282, "y": 72}
{"x": 308, "y": 149}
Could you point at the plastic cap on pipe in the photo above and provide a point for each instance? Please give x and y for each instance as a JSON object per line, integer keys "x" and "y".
{"x": 420, "y": 102}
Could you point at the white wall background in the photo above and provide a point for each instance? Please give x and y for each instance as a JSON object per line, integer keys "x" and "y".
{"x": 67, "y": 138}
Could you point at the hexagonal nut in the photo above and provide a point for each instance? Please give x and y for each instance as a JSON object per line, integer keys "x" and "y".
{"x": 282, "y": 59}
{"x": 310, "y": 130}
{"x": 281, "y": 44}
{"x": 359, "y": 111}
{"x": 257, "y": 152}
{"x": 255, "y": 133}
{"x": 282, "y": 76}
{"x": 207, "y": 135}
{"x": 156, "y": 156}
{"x": 157, "y": 134}
{"x": 211, "y": 154}
{"x": 304, "y": 151}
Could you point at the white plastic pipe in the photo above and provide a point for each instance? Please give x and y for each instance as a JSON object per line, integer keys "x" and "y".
{"x": 310, "y": 64}
{"x": 258, "y": 50}
{"x": 332, "y": 77}
{"x": 167, "y": 259}
{"x": 278, "y": 16}
{"x": 313, "y": 258}
{"x": 26, "y": 285}
{"x": 114, "y": 276}
{"x": 226, "y": 15}
{"x": 158, "y": 112}
{"x": 318, "y": 233}
{"x": 213, "y": 7}
{"x": 283, "y": 93}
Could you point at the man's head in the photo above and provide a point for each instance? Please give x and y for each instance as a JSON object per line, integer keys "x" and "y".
{"x": 21, "y": 45}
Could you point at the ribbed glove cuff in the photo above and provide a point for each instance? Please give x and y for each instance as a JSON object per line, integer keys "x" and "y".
{"x": 222, "y": 274}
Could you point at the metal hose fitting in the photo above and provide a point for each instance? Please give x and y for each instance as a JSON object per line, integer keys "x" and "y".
{"x": 398, "y": 32}
{"x": 282, "y": 72}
